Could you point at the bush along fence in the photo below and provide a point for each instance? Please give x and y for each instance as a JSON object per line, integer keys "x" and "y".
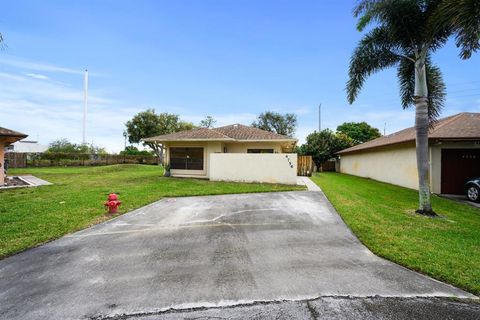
{"x": 55, "y": 159}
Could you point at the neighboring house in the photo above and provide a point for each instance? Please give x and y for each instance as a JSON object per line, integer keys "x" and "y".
{"x": 27, "y": 146}
{"x": 454, "y": 148}
{"x": 231, "y": 153}
{"x": 7, "y": 137}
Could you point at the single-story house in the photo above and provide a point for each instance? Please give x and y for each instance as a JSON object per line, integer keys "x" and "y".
{"x": 7, "y": 137}
{"x": 27, "y": 146}
{"x": 454, "y": 149}
{"x": 231, "y": 153}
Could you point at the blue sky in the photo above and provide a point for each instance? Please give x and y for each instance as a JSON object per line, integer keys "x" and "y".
{"x": 225, "y": 58}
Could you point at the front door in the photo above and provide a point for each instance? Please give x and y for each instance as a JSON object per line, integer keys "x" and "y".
{"x": 458, "y": 165}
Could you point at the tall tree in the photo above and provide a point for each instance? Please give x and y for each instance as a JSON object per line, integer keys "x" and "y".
{"x": 323, "y": 145}
{"x": 359, "y": 132}
{"x": 148, "y": 124}
{"x": 208, "y": 122}
{"x": 275, "y": 122}
{"x": 404, "y": 34}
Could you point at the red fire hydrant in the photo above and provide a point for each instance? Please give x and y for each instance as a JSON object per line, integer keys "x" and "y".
{"x": 112, "y": 203}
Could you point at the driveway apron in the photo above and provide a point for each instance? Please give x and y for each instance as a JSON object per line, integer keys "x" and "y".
{"x": 202, "y": 252}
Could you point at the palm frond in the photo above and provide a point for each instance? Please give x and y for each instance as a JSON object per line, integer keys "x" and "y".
{"x": 436, "y": 92}
{"x": 463, "y": 17}
{"x": 406, "y": 80}
{"x": 375, "y": 52}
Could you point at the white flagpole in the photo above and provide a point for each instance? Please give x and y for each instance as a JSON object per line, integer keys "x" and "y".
{"x": 85, "y": 105}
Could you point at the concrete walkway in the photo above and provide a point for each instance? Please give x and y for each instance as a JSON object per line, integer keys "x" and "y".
{"x": 202, "y": 252}
{"x": 34, "y": 181}
{"x": 306, "y": 181}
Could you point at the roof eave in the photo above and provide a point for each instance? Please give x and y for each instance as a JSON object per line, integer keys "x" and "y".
{"x": 186, "y": 139}
{"x": 374, "y": 147}
{"x": 266, "y": 140}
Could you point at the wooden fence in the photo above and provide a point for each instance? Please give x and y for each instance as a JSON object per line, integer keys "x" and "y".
{"x": 16, "y": 159}
{"x": 328, "y": 166}
{"x": 304, "y": 165}
{"x": 23, "y": 160}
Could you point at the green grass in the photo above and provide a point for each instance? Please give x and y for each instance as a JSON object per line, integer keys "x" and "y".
{"x": 382, "y": 216}
{"x": 31, "y": 216}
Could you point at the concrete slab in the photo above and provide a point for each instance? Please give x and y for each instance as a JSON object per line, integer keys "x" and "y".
{"x": 34, "y": 181}
{"x": 204, "y": 252}
{"x": 460, "y": 198}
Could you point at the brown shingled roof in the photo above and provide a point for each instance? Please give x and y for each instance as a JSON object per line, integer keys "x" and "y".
{"x": 462, "y": 126}
{"x": 235, "y": 132}
{"x": 11, "y": 136}
{"x": 194, "y": 134}
{"x": 241, "y": 132}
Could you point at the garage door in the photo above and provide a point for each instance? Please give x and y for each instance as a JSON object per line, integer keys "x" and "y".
{"x": 458, "y": 165}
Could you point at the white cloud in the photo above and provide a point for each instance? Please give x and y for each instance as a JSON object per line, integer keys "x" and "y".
{"x": 30, "y": 65}
{"x": 37, "y": 76}
{"x": 51, "y": 110}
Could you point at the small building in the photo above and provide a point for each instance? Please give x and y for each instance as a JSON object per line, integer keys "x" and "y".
{"x": 231, "y": 153}
{"x": 27, "y": 146}
{"x": 7, "y": 137}
{"x": 454, "y": 149}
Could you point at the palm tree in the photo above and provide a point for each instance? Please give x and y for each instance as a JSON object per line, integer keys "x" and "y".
{"x": 404, "y": 35}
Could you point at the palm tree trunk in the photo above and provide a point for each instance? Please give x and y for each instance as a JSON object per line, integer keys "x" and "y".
{"x": 421, "y": 128}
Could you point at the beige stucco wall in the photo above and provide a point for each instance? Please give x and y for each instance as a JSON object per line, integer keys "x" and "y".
{"x": 2, "y": 158}
{"x": 216, "y": 147}
{"x": 242, "y": 147}
{"x": 250, "y": 167}
{"x": 436, "y": 161}
{"x": 396, "y": 165}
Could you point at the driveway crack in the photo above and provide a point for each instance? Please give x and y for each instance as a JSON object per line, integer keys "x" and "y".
{"x": 314, "y": 313}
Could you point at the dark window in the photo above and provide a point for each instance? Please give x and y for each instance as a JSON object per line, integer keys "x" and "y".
{"x": 186, "y": 158}
{"x": 259, "y": 150}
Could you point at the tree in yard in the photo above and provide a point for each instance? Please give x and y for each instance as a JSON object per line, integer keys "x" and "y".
{"x": 323, "y": 145}
{"x": 148, "y": 124}
{"x": 133, "y": 151}
{"x": 208, "y": 122}
{"x": 275, "y": 122}
{"x": 65, "y": 146}
{"x": 359, "y": 132}
{"x": 405, "y": 33}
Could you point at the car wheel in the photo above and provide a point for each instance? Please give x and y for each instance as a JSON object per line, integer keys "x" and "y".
{"x": 473, "y": 193}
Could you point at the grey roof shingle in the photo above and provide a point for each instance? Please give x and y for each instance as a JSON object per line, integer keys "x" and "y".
{"x": 465, "y": 125}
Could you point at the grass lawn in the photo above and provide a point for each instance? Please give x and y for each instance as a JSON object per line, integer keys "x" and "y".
{"x": 31, "y": 216}
{"x": 382, "y": 216}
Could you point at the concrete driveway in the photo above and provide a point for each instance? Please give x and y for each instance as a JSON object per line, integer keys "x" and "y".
{"x": 200, "y": 252}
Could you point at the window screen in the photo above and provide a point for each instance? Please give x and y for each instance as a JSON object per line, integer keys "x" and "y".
{"x": 259, "y": 150}
{"x": 186, "y": 158}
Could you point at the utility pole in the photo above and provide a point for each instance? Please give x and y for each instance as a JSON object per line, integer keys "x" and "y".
{"x": 85, "y": 105}
{"x": 319, "y": 117}
{"x": 384, "y": 128}
{"x": 125, "y": 135}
